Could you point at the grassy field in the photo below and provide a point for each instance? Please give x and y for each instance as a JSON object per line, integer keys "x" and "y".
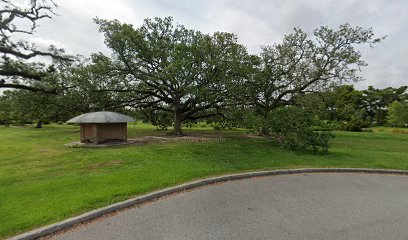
{"x": 42, "y": 181}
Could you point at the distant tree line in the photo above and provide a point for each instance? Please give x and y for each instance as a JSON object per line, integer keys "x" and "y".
{"x": 346, "y": 108}
{"x": 168, "y": 75}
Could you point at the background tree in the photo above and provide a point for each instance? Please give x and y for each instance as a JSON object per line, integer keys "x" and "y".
{"x": 87, "y": 77}
{"x": 398, "y": 114}
{"x": 173, "y": 69}
{"x": 5, "y": 110}
{"x": 376, "y": 102}
{"x": 344, "y": 106}
{"x": 354, "y": 109}
{"x": 27, "y": 107}
{"x": 342, "y": 102}
{"x": 20, "y": 67}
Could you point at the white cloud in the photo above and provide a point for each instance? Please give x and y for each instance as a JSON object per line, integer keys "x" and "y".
{"x": 256, "y": 22}
{"x": 44, "y": 44}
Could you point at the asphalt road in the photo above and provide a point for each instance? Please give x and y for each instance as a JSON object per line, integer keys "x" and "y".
{"x": 300, "y": 206}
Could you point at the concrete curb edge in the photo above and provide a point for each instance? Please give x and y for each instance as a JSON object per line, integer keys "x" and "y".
{"x": 85, "y": 217}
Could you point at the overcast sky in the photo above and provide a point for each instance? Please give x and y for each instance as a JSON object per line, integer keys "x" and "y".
{"x": 256, "y": 22}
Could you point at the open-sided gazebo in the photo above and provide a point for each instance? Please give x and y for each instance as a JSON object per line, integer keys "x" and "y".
{"x": 98, "y": 127}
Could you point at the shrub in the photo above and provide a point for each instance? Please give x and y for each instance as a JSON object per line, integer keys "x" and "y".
{"x": 293, "y": 128}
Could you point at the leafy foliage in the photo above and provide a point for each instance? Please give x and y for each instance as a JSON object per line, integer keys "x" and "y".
{"x": 376, "y": 102}
{"x": 398, "y": 114}
{"x": 355, "y": 109}
{"x": 24, "y": 106}
{"x": 18, "y": 68}
{"x": 301, "y": 65}
{"x": 173, "y": 69}
{"x": 170, "y": 75}
{"x": 293, "y": 127}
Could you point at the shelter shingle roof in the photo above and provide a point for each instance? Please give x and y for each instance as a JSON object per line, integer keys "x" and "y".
{"x": 101, "y": 117}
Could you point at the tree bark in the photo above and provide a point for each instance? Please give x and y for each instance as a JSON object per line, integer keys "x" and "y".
{"x": 178, "y": 119}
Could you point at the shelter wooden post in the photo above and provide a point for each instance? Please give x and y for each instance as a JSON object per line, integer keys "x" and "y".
{"x": 82, "y": 134}
{"x": 124, "y": 131}
{"x": 95, "y": 133}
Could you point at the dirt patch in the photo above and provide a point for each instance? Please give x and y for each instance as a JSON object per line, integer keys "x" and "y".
{"x": 150, "y": 139}
{"x": 104, "y": 144}
{"x": 190, "y": 138}
{"x": 405, "y": 131}
{"x": 187, "y": 138}
{"x": 251, "y": 136}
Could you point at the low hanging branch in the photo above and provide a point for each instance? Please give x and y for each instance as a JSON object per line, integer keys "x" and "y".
{"x": 24, "y": 87}
{"x": 15, "y": 69}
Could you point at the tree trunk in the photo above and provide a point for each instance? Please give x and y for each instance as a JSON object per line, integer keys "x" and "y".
{"x": 264, "y": 132}
{"x": 39, "y": 124}
{"x": 6, "y": 123}
{"x": 177, "y": 123}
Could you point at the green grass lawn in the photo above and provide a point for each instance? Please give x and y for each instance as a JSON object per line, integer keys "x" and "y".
{"x": 42, "y": 181}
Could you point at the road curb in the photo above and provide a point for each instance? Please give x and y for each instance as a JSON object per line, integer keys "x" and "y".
{"x": 70, "y": 222}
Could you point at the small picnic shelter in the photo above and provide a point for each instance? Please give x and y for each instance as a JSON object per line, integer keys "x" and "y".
{"x": 102, "y": 127}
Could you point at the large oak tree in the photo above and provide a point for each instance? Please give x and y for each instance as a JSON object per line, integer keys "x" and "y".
{"x": 174, "y": 69}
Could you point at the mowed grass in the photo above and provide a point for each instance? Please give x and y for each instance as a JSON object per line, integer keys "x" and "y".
{"x": 42, "y": 181}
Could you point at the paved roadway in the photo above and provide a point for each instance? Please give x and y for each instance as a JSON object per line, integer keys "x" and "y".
{"x": 300, "y": 206}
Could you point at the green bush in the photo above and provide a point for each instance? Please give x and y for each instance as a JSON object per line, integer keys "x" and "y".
{"x": 293, "y": 128}
{"x": 324, "y": 125}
